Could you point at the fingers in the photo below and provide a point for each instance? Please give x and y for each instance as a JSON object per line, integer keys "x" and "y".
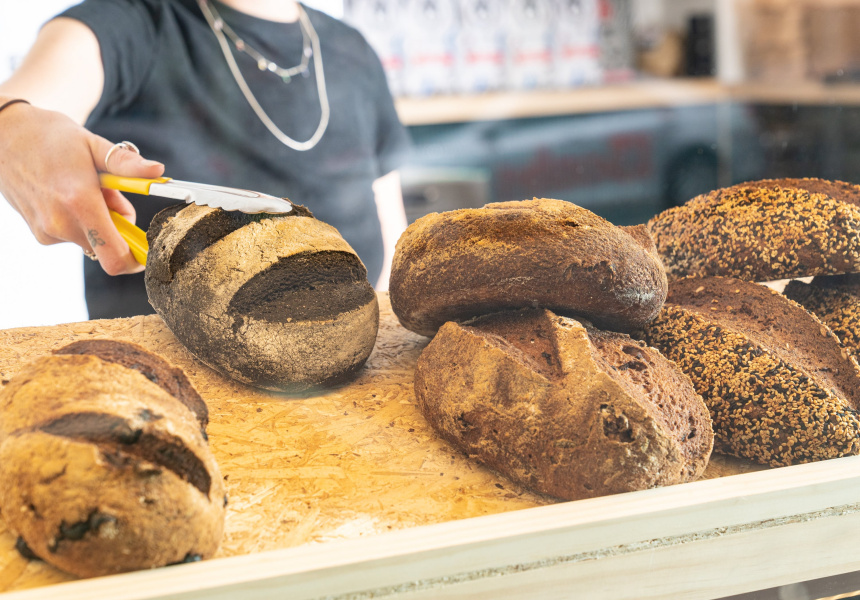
{"x": 117, "y": 202}
{"x": 110, "y": 249}
{"x": 102, "y": 237}
{"x": 49, "y": 173}
{"x": 94, "y": 220}
{"x": 123, "y": 161}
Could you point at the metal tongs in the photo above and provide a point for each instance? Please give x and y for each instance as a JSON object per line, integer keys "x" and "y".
{"x": 216, "y": 196}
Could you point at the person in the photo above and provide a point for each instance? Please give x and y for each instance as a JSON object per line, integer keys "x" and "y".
{"x": 267, "y": 95}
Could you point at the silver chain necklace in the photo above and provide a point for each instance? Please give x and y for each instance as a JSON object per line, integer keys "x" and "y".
{"x": 310, "y": 48}
{"x": 263, "y": 63}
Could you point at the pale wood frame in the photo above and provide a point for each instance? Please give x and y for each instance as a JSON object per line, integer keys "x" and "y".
{"x": 706, "y": 539}
{"x": 634, "y": 95}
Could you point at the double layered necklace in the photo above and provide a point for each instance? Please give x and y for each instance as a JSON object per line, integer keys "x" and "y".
{"x": 310, "y": 49}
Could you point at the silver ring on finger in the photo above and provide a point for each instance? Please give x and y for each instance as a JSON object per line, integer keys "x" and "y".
{"x": 120, "y": 146}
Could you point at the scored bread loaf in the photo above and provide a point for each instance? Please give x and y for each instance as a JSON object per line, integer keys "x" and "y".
{"x": 547, "y": 253}
{"x": 780, "y": 387}
{"x": 763, "y": 231}
{"x": 278, "y": 302}
{"x": 104, "y": 462}
{"x": 835, "y": 299}
{"x": 563, "y": 408}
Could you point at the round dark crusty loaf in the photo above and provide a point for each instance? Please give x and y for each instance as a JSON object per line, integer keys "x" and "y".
{"x": 763, "y": 231}
{"x": 461, "y": 264}
{"x": 835, "y": 299}
{"x": 563, "y": 408}
{"x": 780, "y": 387}
{"x": 278, "y": 302}
{"x": 104, "y": 462}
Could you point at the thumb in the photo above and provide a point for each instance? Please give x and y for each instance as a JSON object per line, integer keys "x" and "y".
{"x": 123, "y": 161}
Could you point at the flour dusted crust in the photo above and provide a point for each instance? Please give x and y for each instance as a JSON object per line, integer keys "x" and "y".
{"x": 278, "y": 302}
{"x": 763, "y": 231}
{"x": 563, "y": 408}
{"x": 169, "y": 378}
{"x": 103, "y": 471}
{"x": 780, "y": 387}
{"x": 456, "y": 265}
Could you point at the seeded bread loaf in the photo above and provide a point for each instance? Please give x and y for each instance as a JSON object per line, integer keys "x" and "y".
{"x": 461, "y": 264}
{"x": 835, "y": 299}
{"x": 104, "y": 462}
{"x": 780, "y": 387}
{"x": 763, "y": 231}
{"x": 563, "y": 408}
{"x": 278, "y": 302}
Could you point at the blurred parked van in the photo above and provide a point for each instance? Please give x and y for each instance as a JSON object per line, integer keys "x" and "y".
{"x": 625, "y": 166}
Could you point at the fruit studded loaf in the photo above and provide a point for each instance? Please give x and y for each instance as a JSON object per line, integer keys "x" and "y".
{"x": 835, "y": 299}
{"x": 461, "y": 264}
{"x": 780, "y": 387}
{"x": 278, "y": 302}
{"x": 561, "y": 407}
{"x": 104, "y": 462}
{"x": 763, "y": 231}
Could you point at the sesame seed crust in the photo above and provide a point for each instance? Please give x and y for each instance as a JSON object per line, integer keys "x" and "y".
{"x": 836, "y": 301}
{"x": 773, "y": 321}
{"x": 763, "y": 231}
{"x": 764, "y": 406}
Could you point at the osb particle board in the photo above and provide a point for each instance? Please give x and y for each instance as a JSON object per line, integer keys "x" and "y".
{"x": 346, "y": 462}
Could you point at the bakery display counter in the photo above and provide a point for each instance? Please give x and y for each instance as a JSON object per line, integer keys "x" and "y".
{"x": 348, "y": 494}
{"x": 633, "y": 95}
{"x": 809, "y": 93}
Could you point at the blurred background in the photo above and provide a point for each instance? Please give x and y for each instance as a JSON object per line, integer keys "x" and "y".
{"x": 625, "y": 107}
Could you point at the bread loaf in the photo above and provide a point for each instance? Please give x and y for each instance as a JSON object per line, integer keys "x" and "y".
{"x": 780, "y": 387}
{"x": 538, "y": 253}
{"x": 763, "y": 231}
{"x": 563, "y": 408}
{"x": 835, "y": 299}
{"x": 278, "y": 302}
{"x": 104, "y": 462}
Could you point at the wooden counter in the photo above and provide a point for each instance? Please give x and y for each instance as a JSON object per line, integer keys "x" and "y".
{"x": 633, "y": 95}
{"x": 543, "y": 103}
{"x": 349, "y": 494}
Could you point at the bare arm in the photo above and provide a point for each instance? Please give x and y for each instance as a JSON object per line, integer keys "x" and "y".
{"x": 62, "y": 71}
{"x": 392, "y": 217}
{"x": 49, "y": 163}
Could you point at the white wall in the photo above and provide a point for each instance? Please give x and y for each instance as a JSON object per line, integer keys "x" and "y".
{"x": 43, "y": 285}
{"x": 39, "y": 285}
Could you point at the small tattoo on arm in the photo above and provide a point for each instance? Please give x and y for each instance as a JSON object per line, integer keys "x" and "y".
{"x": 94, "y": 239}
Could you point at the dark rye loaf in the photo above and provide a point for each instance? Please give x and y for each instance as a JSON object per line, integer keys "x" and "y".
{"x": 104, "y": 462}
{"x": 563, "y": 408}
{"x": 278, "y": 302}
{"x": 835, "y": 299}
{"x": 547, "y": 253}
{"x": 763, "y": 231}
{"x": 780, "y": 387}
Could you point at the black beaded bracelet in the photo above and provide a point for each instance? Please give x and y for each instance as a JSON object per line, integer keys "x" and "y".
{"x": 11, "y": 102}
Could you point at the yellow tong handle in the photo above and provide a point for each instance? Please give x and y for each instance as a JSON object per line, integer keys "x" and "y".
{"x": 135, "y": 236}
{"x": 135, "y": 185}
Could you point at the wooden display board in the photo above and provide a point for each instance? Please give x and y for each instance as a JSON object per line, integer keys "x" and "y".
{"x": 348, "y": 494}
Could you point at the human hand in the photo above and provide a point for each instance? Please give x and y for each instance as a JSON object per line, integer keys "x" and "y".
{"x": 49, "y": 173}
